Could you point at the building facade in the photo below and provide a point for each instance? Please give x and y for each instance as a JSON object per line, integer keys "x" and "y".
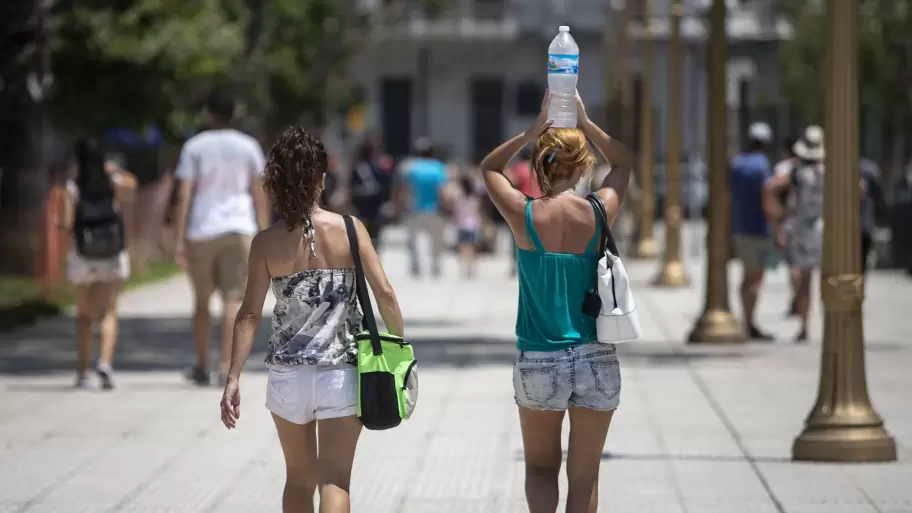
{"x": 472, "y": 74}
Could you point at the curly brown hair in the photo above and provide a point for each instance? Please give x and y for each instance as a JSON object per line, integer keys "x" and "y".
{"x": 294, "y": 175}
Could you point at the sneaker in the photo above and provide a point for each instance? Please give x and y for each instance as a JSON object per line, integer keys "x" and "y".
{"x": 105, "y": 374}
{"x": 197, "y": 375}
{"x": 82, "y": 382}
{"x": 754, "y": 333}
{"x": 802, "y": 336}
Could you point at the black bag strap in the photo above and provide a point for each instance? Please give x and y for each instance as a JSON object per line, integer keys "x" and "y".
{"x": 605, "y": 241}
{"x": 363, "y": 292}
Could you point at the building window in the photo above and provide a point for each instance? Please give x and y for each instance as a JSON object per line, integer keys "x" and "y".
{"x": 528, "y": 98}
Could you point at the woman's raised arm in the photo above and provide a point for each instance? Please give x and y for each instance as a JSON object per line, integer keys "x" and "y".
{"x": 613, "y": 188}
{"x": 509, "y": 201}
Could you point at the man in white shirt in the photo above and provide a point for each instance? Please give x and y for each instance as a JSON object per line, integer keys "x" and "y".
{"x": 220, "y": 208}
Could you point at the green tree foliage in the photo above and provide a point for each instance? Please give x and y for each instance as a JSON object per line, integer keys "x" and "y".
{"x": 133, "y": 63}
{"x": 137, "y": 62}
{"x": 885, "y": 56}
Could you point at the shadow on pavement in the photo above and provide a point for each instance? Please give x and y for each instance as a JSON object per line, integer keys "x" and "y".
{"x": 151, "y": 344}
{"x": 708, "y": 458}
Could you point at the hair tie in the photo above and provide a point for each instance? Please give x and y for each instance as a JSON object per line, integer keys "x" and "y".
{"x": 553, "y": 153}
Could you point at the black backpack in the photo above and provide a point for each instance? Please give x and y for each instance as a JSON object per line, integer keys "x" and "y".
{"x": 98, "y": 228}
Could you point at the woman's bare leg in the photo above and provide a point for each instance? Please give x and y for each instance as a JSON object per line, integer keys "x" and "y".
{"x": 107, "y": 303}
{"x": 337, "y": 440}
{"x": 804, "y": 302}
{"x": 541, "y": 432}
{"x": 588, "y": 431}
{"x": 84, "y": 321}
{"x": 467, "y": 252}
{"x": 299, "y": 444}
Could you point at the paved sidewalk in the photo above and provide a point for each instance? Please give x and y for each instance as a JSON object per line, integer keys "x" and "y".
{"x": 700, "y": 430}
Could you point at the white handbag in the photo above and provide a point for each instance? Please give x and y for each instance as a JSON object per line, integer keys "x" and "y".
{"x": 617, "y": 319}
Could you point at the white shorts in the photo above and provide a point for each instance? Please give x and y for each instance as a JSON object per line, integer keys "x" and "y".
{"x": 82, "y": 271}
{"x": 303, "y": 393}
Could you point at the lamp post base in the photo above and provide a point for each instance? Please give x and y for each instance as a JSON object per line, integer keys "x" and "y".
{"x": 672, "y": 274}
{"x": 844, "y": 443}
{"x": 716, "y": 327}
{"x": 646, "y": 249}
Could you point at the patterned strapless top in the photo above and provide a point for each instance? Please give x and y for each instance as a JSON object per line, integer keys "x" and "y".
{"x": 316, "y": 318}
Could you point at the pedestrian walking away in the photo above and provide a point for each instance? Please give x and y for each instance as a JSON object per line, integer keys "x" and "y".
{"x": 786, "y": 199}
{"x": 872, "y": 201}
{"x": 560, "y": 368}
{"x": 221, "y": 205}
{"x": 312, "y": 382}
{"x": 97, "y": 262}
{"x": 467, "y": 217}
{"x": 422, "y": 190}
{"x": 371, "y": 188}
{"x": 804, "y": 241}
{"x": 751, "y": 236}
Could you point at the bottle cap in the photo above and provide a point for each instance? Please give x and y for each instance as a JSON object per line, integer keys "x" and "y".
{"x": 563, "y": 28}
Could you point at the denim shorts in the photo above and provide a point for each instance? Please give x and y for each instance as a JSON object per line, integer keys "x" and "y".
{"x": 587, "y": 376}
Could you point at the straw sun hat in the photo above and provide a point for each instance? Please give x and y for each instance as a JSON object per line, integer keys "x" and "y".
{"x": 810, "y": 146}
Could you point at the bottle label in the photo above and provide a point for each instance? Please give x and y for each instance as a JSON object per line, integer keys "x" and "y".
{"x": 563, "y": 64}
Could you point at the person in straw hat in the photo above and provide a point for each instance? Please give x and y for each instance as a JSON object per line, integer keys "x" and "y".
{"x": 803, "y": 243}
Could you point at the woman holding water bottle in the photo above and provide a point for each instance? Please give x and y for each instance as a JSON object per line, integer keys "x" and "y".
{"x": 560, "y": 368}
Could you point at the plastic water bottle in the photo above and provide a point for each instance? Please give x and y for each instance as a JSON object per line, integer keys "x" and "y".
{"x": 563, "y": 71}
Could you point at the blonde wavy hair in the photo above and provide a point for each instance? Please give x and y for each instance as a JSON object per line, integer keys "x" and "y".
{"x": 560, "y": 154}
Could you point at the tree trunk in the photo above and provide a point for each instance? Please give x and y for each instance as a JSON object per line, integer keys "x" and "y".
{"x": 24, "y": 181}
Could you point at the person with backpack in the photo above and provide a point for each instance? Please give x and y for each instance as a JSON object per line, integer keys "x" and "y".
{"x": 308, "y": 262}
{"x": 560, "y": 367}
{"x": 803, "y": 242}
{"x": 221, "y": 206}
{"x": 97, "y": 262}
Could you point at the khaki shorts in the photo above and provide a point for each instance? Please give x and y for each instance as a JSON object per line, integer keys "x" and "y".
{"x": 220, "y": 264}
{"x": 752, "y": 251}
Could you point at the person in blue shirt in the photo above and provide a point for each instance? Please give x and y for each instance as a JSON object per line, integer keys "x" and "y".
{"x": 423, "y": 182}
{"x": 751, "y": 235}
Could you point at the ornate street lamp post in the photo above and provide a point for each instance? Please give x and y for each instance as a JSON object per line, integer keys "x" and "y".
{"x": 842, "y": 425}
{"x": 672, "y": 273}
{"x": 717, "y": 324}
{"x": 646, "y": 243}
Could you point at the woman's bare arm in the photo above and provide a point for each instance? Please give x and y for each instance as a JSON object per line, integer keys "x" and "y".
{"x": 379, "y": 284}
{"x": 613, "y": 188}
{"x": 248, "y": 317}
{"x": 771, "y": 206}
{"x": 509, "y": 201}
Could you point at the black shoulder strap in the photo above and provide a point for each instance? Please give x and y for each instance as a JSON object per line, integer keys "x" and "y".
{"x": 607, "y": 239}
{"x": 362, "y": 290}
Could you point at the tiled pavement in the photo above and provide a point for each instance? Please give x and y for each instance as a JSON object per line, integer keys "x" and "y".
{"x": 700, "y": 430}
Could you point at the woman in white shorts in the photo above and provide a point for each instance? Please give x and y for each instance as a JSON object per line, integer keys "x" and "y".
{"x": 97, "y": 281}
{"x": 312, "y": 382}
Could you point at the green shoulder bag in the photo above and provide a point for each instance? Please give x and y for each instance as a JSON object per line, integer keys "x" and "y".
{"x": 387, "y": 369}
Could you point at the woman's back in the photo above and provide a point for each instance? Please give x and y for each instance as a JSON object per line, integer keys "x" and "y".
{"x": 556, "y": 262}
{"x": 316, "y": 314}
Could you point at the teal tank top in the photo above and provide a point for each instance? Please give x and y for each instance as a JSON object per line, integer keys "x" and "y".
{"x": 551, "y": 291}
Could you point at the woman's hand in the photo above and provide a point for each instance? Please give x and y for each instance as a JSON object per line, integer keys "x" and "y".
{"x": 541, "y": 122}
{"x": 231, "y": 403}
{"x": 581, "y": 116}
